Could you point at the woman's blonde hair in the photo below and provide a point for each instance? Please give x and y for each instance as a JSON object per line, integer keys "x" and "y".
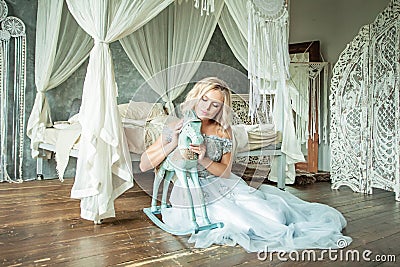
{"x": 224, "y": 117}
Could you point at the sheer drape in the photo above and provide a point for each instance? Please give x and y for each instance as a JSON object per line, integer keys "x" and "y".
{"x": 234, "y": 24}
{"x": 104, "y": 167}
{"x": 167, "y": 51}
{"x": 61, "y": 47}
{"x": 73, "y": 48}
{"x": 234, "y": 37}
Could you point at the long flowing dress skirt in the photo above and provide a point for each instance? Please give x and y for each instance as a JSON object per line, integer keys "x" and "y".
{"x": 264, "y": 219}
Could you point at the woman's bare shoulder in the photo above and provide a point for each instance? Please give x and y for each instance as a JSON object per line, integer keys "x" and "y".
{"x": 225, "y": 133}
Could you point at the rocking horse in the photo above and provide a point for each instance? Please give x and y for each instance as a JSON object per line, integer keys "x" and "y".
{"x": 181, "y": 163}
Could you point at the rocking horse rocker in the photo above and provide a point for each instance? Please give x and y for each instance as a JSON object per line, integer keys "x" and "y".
{"x": 183, "y": 163}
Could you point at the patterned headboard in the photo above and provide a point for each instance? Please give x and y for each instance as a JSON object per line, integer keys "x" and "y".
{"x": 240, "y": 106}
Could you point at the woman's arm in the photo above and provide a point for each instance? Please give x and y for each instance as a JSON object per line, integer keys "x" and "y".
{"x": 222, "y": 168}
{"x": 160, "y": 149}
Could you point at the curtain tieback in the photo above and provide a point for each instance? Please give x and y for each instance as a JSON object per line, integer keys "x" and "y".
{"x": 40, "y": 95}
{"x": 170, "y": 108}
{"x": 98, "y": 41}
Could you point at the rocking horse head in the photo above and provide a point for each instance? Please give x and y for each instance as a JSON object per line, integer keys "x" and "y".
{"x": 190, "y": 134}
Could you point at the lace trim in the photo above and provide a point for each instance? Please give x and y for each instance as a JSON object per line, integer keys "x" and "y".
{"x": 225, "y": 142}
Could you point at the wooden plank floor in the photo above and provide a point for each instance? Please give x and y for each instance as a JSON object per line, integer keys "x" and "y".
{"x": 40, "y": 226}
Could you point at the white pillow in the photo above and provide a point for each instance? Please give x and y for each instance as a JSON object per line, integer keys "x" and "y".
{"x": 74, "y": 119}
{"x": 61, "y": 125}
{"x": 141, "y": 110}
{"x": 133, "y": 112}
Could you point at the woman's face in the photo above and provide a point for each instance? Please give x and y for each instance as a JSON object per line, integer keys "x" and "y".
{"x": 209, "y": 104}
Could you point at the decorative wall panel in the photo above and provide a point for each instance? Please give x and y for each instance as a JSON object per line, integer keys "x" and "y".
{"x": 12, "y": 95}
{"x": 365, "y": 125}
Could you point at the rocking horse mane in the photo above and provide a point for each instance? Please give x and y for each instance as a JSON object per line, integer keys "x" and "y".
{"x": 189, "y": 134}
{"x": 189, "y": 117}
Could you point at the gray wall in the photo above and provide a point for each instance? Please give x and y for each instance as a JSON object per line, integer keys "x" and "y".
{"x": 334, "y": 23}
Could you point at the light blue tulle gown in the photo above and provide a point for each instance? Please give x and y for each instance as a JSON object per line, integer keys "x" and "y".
{"x": 256, "y": 219}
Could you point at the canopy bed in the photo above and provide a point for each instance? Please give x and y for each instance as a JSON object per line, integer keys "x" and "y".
{"x": 156, "y": 43}
{"x": 365, "y": 108}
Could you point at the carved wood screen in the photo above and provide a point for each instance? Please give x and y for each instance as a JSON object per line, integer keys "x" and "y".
{"x": 365, "y": 121}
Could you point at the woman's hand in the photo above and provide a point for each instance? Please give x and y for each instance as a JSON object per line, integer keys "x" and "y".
{"x": 199, "y": 149}
{"x": 159, "y": 150}
{"x": 170, "y": 135}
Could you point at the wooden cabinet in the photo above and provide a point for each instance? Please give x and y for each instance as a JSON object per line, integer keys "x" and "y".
{"x": 308, "y": 53}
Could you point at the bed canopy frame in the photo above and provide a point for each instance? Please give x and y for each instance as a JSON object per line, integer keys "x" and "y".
{"x": 88, "y": 27}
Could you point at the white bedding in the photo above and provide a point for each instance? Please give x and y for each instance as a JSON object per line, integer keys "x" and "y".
{"x": 68, "y": 138}
{"x": 143, "y": 123}
{"x": 51, "y": 135}
{"x": 253, "y": 137}
{"x": 247, "y": 137}
{"x": 140, "y": 134}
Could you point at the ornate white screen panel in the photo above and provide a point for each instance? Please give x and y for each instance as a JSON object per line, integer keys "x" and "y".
{"x": 365, "y": 122}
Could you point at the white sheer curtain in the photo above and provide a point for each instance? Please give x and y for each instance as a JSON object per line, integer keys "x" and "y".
{"x": 61, "y": 47}
{"x": 167, "y": 51}
{"x": 234, "y": 24}
{"x": 104, "y": 167}
{"x": 234, "y": 32}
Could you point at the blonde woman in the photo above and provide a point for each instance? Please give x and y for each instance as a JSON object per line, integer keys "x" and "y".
{"x": 210, "y": 98}
{"x": 266, "y": 218}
